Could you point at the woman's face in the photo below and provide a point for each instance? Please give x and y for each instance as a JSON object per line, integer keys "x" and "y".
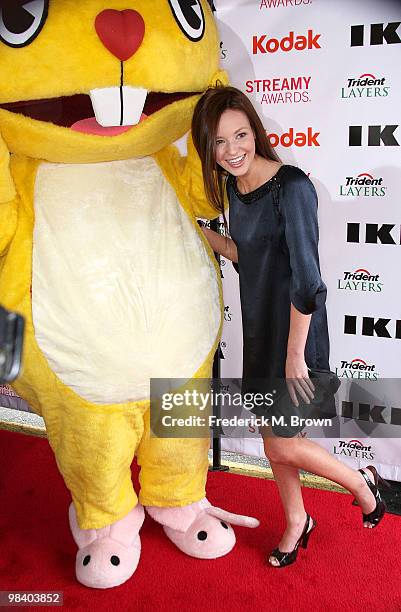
{"x": 235, "y": 143}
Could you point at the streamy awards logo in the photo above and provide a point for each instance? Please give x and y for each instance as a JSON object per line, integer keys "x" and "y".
{"x": 360, "y": 280}
{"x": 357, "y": 368}
{"x": 363, "y": 185}
{"x": 281, "y": 90}
{"x": 272, "y": 4}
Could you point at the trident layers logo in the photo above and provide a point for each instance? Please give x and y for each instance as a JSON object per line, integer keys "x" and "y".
{"x": 363, "y": 185}
{"x": 358, "y": 369}
{"x": 360, "y": 280}
{"x": 365, "y": 86}
{"x": 355, "y": 449}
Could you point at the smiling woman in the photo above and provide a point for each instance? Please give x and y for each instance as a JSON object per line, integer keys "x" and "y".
{"x": 228, "y": 134}
{"x": 274, "y": 239}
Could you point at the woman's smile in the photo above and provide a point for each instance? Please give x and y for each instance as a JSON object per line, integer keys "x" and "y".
{"x": 235, "y": 142}
{"x": 236, "y": 161}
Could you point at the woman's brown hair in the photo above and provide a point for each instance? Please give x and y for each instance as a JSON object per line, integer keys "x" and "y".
{"x": 205, "y": 122}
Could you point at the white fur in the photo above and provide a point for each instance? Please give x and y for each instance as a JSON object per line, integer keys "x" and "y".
{"x": 123, "y": 288}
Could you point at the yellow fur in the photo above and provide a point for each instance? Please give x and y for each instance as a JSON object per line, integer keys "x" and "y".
{"x": 94, "y": 444}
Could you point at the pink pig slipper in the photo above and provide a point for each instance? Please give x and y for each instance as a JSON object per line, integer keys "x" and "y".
{"x": 199, "y": 529}
{"x": 107, "y": 557}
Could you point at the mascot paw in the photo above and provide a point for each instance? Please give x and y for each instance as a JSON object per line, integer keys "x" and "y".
{"x": 199, "y": 529}
{"x": 107, "y": 557}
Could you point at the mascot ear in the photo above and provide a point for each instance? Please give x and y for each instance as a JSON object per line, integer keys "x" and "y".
{"x": 7, "y": 188}
{"x": 219, "y": 78}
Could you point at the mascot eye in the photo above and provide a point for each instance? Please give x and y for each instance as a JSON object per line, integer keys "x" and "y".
{"x": 189, "y": 16}
{"x": 21, "y": 21}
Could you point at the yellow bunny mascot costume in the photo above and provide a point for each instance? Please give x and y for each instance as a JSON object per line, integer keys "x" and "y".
{"x": 101, "y": 253}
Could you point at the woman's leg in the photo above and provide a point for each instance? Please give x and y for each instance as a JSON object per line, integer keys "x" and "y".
{"x": 289, "y": 486}
{"x": 286, "y": 455}
{"x": 301, "y": 453}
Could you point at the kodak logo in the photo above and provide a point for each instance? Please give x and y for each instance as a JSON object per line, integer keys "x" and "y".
{"x": 263, "y": 44}
{"x": 299, "y": 139}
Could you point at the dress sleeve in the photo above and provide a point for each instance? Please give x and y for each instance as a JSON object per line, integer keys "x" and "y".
{"x": 298, "y": 205}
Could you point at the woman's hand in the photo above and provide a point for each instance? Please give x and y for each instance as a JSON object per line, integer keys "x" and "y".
{"x": 296, "y": 371}
{"x": 297, "y": 379}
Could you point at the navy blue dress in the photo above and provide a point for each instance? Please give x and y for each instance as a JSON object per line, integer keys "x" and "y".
{"x": 275, "y": 230}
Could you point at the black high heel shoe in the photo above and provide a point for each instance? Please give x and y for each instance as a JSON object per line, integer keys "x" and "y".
{"x": 377, "y": 514}
{"x": 286, "y": 558}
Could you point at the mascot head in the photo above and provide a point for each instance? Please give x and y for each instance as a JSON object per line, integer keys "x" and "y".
{"x": 101, "y": 80}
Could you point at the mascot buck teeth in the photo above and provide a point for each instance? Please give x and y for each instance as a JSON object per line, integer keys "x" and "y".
{"x": 101, "y": 253}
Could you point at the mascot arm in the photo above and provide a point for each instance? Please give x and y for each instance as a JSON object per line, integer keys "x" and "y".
{"x": 192, "y": 182}
{"x": 8, "y": 224}
{"x": 8, "y": 202}
{"x": 185, "y": 174}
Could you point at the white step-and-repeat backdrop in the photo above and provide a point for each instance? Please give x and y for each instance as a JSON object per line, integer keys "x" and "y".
{"x": 324, "y": 76}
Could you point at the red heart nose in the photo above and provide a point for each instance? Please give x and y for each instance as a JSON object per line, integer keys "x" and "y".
{"x": 121, "y": 32}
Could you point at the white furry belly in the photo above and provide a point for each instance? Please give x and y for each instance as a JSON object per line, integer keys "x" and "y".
{"x": 123, "y": 289}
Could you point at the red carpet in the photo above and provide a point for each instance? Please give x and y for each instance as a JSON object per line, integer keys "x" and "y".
{"x": 345, "y": 568}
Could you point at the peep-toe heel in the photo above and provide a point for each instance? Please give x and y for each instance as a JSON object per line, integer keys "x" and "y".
{"x": 287, "y": 558}
{"x": 374, "y": 517}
